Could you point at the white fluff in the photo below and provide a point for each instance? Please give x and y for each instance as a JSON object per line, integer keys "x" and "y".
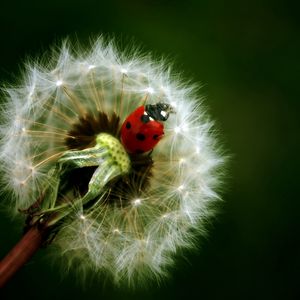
{"x": 137, "y": 241}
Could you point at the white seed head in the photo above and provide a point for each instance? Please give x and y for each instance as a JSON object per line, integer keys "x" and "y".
{"x": 135, "y": 238}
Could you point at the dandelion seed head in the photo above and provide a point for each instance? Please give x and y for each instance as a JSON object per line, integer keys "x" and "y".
{"x": 138, "y": 222}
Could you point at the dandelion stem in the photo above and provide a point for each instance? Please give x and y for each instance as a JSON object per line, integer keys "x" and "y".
{"x": 22, "y": 252}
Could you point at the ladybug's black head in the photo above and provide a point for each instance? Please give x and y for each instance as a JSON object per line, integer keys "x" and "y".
{"x": 159, "y": 111}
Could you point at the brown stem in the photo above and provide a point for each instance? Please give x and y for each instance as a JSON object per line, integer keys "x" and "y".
{"x": 22, "y": 252}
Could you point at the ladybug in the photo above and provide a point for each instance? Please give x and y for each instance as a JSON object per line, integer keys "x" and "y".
{"x": 143, "y": 128}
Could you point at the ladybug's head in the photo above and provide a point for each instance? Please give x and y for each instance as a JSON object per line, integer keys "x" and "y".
{"x": 159, "y": 111}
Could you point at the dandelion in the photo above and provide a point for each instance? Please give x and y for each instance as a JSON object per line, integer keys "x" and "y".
{"x": 65, "y": 167}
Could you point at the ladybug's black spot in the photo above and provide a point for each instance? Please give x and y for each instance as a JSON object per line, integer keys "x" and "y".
{"x": 140, "y": 137}
{"x": 155, "y": 136}
{"x": 128, "y": 125}
{"x": 145, "y": 118}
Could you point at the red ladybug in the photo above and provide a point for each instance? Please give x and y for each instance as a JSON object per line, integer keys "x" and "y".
{"x": 143, "y": 129}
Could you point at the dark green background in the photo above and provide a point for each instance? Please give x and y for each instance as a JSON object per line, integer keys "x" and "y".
{"x": 247, "y": 55}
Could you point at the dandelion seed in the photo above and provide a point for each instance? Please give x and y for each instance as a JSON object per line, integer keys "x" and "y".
{"x": 149, "y": 90}
{"x": 61, "y": 154}
{"x": 91, "y": 67}
{"x": 182, "y": 160}
{"x": 137, "y": 202}
{"x": 59, "y": 83}
{"x": 181, "y": 187}
{"x": 177, "y": 129}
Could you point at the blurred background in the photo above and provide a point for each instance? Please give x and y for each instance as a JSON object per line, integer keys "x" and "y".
{"x": 246, "y": 53}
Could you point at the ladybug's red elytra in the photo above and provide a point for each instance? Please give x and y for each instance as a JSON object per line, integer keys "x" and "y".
{"x": 143, "y": 128}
